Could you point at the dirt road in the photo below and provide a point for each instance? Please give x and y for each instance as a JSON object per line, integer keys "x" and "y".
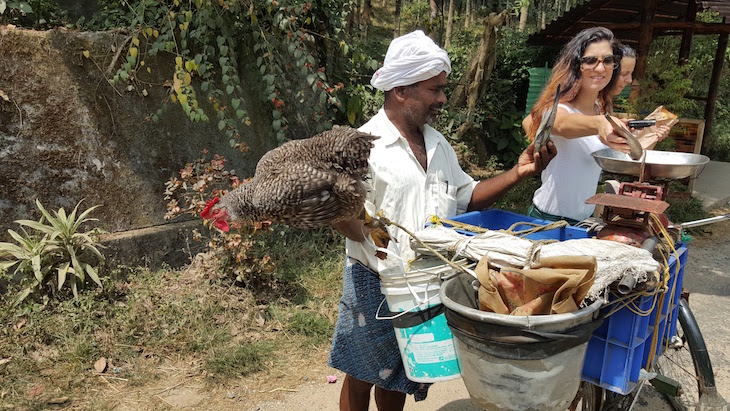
{"x": 707, "y": 277}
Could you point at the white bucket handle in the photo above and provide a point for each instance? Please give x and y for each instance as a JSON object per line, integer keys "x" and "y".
{"x": 400, "y": 260}
{"x": 378, "y": 317}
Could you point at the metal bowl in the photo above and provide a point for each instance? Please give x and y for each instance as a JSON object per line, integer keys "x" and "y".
{"x": 659, "y": 164}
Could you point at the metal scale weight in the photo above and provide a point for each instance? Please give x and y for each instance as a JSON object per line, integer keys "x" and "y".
{"x": 626, "y": 213}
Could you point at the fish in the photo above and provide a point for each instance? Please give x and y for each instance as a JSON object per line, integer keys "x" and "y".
{"x": 546, "y": 125}
{"x": 636, "y": 149}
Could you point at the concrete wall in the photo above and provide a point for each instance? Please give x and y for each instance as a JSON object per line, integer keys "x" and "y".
{"x": 67, "y": 135}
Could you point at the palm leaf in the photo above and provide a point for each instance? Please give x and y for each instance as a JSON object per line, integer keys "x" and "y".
{"x": 62, "y": 271}
{"x": 72, "y": 216}
{"x": 22, "y": 296}
{"x": 74, "y": 289}
{"x": 82, "y": 217}
{"x": 62, "y": 220}
{"x": 17, "y": 237}
{"x": 12, "y": 249}
{"x": 4, "y": 265}
{"x": 92, "y": 273}
{"x": 95, "y": 251}
{"x": 78, "y": 269}
{"x": 36, "y": 263}
{"x": 44, "y": 228}
{"x": 43, "y": 210}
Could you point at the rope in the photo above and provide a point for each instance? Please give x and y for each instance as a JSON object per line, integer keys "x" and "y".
{"x": 511, "y": 230}
{"x": 535, "y": 228}
{"x": 532, "y": 252}
{"x": 386, "y": 221}
{"x": 458, "y": 224}
{"x": 670, "y": 308}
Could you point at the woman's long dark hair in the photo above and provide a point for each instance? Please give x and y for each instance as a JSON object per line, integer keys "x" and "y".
{"x": 566, "y": 72}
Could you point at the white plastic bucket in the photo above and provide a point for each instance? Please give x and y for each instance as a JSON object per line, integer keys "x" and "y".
{"x": 425, "y": 341}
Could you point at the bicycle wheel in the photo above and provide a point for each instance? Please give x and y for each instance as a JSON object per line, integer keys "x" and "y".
{"x": 588, "y": 398}
{"x": 687, "y": 362}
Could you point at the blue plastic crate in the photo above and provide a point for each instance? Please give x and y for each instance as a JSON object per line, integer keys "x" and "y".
{"x": 620, "y": 347}
{"x": 501, "y": 220}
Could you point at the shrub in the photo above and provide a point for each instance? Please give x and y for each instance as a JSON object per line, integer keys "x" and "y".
{"x": 239, "y": 253}
{"x": 54, "y": 244}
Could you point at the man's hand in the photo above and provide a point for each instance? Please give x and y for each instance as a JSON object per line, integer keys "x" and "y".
{"x": 530, "y": 162}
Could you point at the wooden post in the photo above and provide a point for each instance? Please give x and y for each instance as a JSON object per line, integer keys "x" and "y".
{"x": 714, "y": 86}
{"x": 646, "y": 34}
{"x": 686, "y": 46}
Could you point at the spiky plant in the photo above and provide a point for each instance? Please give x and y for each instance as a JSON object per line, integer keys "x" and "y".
{"x": 56, "y": 244}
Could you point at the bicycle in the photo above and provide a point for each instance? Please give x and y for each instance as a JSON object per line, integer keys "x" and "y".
{"x": 684, "y": 373}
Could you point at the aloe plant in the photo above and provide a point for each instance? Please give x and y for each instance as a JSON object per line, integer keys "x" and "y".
{"x": 54, "y": 245}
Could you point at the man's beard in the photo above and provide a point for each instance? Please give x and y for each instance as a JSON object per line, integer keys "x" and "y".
{"x": 414, "y": 117}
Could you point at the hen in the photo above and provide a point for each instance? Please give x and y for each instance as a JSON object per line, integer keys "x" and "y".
{"x": 306, "y": 183}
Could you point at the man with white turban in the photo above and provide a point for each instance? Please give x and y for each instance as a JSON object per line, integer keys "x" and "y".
{"x": 414, "y": 174}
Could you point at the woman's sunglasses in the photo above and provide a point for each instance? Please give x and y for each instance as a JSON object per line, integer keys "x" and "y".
{"x": 591, "y": 62}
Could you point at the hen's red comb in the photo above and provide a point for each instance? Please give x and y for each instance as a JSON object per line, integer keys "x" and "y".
{"x": 206, "y": 211}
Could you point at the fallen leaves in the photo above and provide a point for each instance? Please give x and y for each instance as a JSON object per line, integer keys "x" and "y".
{"x": 100, "y": 365}
{"x": 17, "y": 326}
{"x": 57, "y": 400}
{"x": 34, "y": 391}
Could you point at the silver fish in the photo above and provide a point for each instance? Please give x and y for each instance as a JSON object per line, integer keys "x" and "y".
{"x": 546, "y": 125}
{"x": 636, "y": 149}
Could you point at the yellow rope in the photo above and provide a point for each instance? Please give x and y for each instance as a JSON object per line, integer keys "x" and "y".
{"x": 535, "y": 228}
{"x": 511, "y": 230}
{"x": 662, "y": 233}
{"x": 458, "y": 224}
{"x": 627, "y": 301}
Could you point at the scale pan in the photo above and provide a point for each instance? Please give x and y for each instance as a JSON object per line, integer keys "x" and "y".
{"x": 659, "y": 164}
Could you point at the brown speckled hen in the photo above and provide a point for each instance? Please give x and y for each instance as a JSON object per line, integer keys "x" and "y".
{"x": 306, "y": 183}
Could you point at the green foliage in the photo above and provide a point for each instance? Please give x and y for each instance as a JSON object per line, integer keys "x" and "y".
{"x": 14, "y": 9}
{"x": 519, "y": 198}
{"x": 509, "y": 137}
{"x": 54, "y": 249}
{"x": 311, "y": 324}
{"x": 684, "y": 208}
{"x": 498, "y": 122}
{"x": 290, "y": 50}
{"x": 665, "y": 83}
{"x": 243, "y": 360}
{"x": 415, "y": 14}
{"x": 670, "y": 85}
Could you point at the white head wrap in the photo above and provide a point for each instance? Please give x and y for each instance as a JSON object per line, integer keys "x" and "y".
{"x": 411, "y": 58}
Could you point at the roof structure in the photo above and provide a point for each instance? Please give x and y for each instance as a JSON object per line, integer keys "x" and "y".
{"x": 623, "y": 17}
{"x": 638, "y": 22}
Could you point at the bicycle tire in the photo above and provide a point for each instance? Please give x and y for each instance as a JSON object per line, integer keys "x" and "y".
{"x": 687, "y": 361}
{"x": 588, "y": 398}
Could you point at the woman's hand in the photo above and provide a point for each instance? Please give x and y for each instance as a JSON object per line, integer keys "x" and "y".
{"x": 608, "y": 135}
{"x": 650, "y": 136}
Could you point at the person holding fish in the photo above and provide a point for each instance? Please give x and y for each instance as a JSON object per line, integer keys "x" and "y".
{"x": 655, "y": 131}
{"x": 577, "y": 96}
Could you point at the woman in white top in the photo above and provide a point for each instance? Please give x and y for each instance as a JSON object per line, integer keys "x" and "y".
{"x": 585, "y": 71}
